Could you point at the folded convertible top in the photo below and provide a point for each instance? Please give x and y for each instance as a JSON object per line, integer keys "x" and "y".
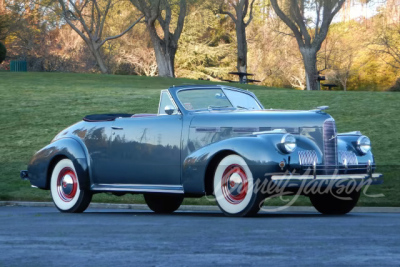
{"x": 105, "y": 117}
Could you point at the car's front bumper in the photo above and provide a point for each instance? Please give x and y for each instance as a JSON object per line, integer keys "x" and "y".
{"x": 297, "y": 181}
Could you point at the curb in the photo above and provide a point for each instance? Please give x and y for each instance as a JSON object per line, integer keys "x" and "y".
{"x": 200, "y": 207}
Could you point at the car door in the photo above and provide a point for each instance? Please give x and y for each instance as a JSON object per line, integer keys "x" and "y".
{"x": 146, "y": 149}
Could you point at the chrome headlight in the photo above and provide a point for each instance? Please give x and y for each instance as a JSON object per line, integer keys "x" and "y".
{"x": 288, "y": 143}
{"x": 363, "y": 144}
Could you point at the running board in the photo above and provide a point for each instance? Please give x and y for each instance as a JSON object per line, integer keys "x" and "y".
{"x": 138, "y": 188}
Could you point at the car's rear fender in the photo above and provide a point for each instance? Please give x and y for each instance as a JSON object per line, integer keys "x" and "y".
{"x": 43, "y": 162}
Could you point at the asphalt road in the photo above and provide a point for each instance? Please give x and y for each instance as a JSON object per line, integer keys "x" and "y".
{"x": 32, "y": 236}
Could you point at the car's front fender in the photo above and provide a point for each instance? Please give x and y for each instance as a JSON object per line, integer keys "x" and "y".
{"x": 348, "y": 143}
{"x": 42, "y": 163}
{"x": 260, "y": 152}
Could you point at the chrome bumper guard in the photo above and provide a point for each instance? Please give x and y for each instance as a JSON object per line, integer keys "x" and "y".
{"x": 296, "y": 181}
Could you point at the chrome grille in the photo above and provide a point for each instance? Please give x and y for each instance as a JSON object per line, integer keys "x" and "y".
{"x": 307, "y": 157}
{"x": 347, "y": 156}
{"x": 330, "y": 143}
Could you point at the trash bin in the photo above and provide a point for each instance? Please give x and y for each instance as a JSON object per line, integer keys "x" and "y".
{"x": 18, "y": 66}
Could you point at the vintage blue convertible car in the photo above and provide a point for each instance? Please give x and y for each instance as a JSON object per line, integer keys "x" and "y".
{"x": 206, "y": 140}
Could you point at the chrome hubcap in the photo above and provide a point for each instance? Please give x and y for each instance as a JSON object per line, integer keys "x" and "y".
{"x": 234, "y": 184}
{"x": 67, "y": 184}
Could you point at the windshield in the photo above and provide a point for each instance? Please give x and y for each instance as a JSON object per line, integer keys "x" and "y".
{"x": 198, "y": 99}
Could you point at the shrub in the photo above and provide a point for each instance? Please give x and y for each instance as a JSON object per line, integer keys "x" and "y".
{"x": 3, "y": 52}
{"x": 395, "y": 87}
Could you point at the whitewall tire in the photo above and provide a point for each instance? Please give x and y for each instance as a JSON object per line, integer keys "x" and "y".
{"x": 234, "y": 188}
{"x": 65, "y": 191}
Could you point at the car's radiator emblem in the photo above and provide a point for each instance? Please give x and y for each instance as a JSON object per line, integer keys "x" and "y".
{"x": 333, "y": 137}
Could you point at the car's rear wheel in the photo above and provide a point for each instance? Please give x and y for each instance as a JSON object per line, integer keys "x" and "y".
{"x": 65, "y": 191}
{"x": 234, "y": 188}
{"x": 334, "y": 202}
{"x": 163, "y": 203}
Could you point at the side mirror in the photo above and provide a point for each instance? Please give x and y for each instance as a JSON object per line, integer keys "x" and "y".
{"x": 169, "y": 109}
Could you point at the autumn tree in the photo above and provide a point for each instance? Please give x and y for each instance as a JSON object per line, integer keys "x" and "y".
{"x": 242, "y": 9}
{"x": 11, "y": 16}
{"x": 3, "y": 30}
{"x": 309, "y": 32}
{"x": 341, "y": 68}
{"x": 3, "y": 52}
{"x": 165, "y": 42}
{"x": 387, "y": 43}
{"x": 88, "y": 19}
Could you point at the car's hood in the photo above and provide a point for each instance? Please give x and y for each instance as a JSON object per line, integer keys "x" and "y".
{"x": 259, "y": 120}
{"x": 213, "y": 126}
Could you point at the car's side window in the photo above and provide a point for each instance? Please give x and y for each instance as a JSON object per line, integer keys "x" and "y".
{"x": 165, "y": 100}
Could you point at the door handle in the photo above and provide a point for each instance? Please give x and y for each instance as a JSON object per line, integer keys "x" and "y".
{"x": 116, "y": 128}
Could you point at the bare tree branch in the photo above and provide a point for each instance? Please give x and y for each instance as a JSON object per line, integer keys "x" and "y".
{"x": 251, "y": 13}
{"x": 299, "y": 19}
{"x": 318, "y": 7}
{"x": 122, "y": 33}
{"x": 181, "y": 20}
{"x": 287, "y": 21}
{"x": 222, "y": 11}
{"x": 104, "y": 19}
{"x": 165, "y": 47}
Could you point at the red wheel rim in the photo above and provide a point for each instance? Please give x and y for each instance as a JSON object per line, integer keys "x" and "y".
{"x": 234, "y": 184}
{"x": 67, "y": 184}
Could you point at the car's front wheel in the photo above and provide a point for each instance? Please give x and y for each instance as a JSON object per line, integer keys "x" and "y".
{"x": 234, "y": 188}
{"x": 65, "y": 190}
{"x": 163, "y": 203}
{"x": 335, "y": 202}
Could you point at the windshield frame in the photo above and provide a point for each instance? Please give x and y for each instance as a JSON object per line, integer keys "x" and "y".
{"x": 175, "y": 90}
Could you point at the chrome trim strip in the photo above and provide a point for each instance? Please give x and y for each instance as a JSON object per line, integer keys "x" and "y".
{"x": 245, "y": 129}
{"x": 350, "y": 133}
{"x": 144, "y": 188}
{"x": 208, "y": 129}
{"x": 325, "y": 177}
{"x": 274, "y": 131}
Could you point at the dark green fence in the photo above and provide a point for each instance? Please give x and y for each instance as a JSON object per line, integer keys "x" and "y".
{"x": 18, "y": 66}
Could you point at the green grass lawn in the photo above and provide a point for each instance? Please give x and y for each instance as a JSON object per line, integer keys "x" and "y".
{"x": 36, "y": 106}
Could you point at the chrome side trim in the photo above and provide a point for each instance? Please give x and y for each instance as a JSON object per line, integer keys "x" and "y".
{"x": 208, "y": 129}
{"x": 139, "y": 188}
{"x": 245, "y": 129}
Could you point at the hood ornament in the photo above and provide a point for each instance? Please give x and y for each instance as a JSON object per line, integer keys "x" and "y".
{"x": 320, "y": 109}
